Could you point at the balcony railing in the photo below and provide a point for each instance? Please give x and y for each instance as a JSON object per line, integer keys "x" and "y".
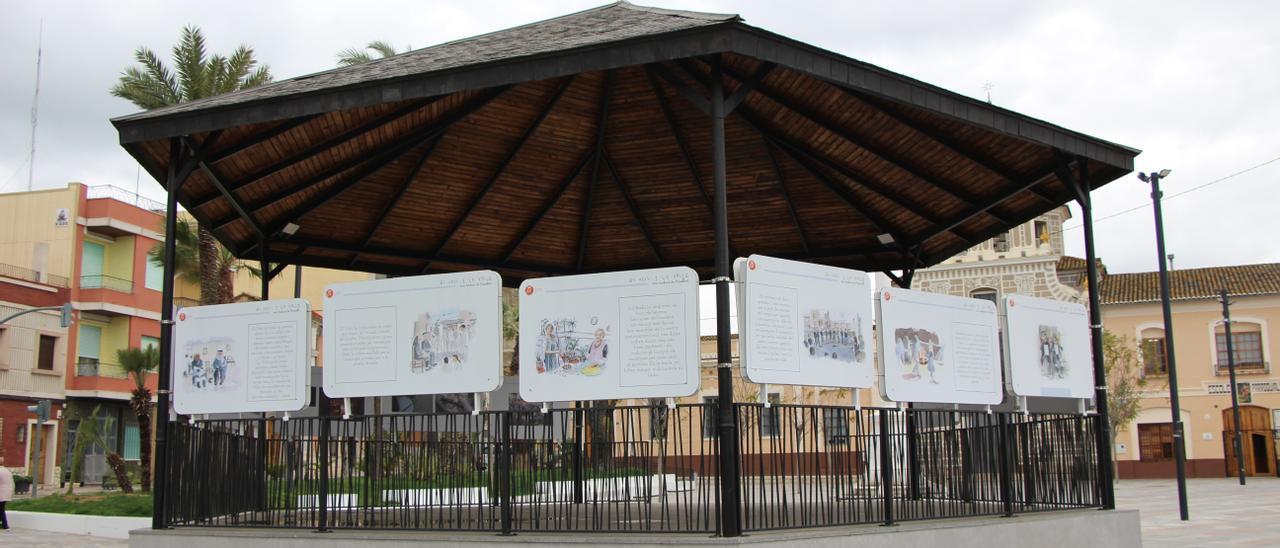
{"x": 121, "y": 195}
{"x": 1245, "y": 368}
{"x": 92, "y": 367}
{"x": 12, "y": 271}
{"x": 99, "y": 281}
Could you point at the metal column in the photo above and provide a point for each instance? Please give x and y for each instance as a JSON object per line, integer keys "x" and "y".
{"x": 730, "y": 500}
{"x": 175, "y": 174}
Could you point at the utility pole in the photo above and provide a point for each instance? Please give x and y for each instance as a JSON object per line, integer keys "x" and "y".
{"x": 1235, "y": 398}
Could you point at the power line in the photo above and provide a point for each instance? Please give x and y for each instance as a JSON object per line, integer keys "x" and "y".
{"x": 1176, "y": 194}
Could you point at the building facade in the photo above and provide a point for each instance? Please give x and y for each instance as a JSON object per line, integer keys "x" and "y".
{"x": 1132, "y": 310}
{"x": 1027, "y": 260}
{"x": 33, "y": 349}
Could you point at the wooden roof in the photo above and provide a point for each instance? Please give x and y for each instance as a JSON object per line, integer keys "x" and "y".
{"x": 580, "y": 144}
{"x": 1193, "y": 283}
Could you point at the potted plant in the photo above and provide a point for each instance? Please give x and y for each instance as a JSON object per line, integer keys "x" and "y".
{"x": 21, "y": 484}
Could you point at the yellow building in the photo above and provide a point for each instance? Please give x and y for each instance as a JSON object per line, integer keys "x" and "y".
{"x": 1131, "y": 309}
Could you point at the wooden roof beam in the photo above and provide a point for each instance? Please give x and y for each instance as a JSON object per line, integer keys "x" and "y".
{"x": 549, "y": 205}
{"x": 376, "y": 159}
{"x": 886, "y": 155}
{"x": 606, "y": 90}
{"x": 952, "y": 145}
{"x": 502, "y": 168}
{"x": 786, "y": 196}
{"x": 260, "y": 138}
{"x": 318, "y": 148}
{"x": 675, "y": 132}
{"x": 631, "y": 206}
{"x": 394, "y": 199}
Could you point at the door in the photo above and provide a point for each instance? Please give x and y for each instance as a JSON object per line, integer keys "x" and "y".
{"x": 1255, "y": 441}
{"x": 91, "y": 265}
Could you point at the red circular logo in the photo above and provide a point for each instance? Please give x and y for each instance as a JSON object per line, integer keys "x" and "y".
{"x": 328, "y": 293}
{"x": 528, "y": 290}
{"x": 886, "y": 295}
{"x": 751, "y": 264}
{"x": 182, "y": 316}
{"x": 1010, "y": 302}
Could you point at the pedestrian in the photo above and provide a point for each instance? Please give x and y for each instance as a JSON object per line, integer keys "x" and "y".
{"x": 6, "y": 494}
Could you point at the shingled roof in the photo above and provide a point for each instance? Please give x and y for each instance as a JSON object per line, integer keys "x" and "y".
{"x": 1193, "y": 283}
{"x": 583, "y": 144}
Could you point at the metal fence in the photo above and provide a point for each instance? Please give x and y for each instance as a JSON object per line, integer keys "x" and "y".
{"x": 102, "y": 281}
{"x": 635, "y": 469}
{"x": 122, "y": 195}
{"x": 14, "y": 271}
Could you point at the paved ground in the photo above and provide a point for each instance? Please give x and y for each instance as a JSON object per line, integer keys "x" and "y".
{"x": 1222, "y": 512}
{"x": 27, "y": 537}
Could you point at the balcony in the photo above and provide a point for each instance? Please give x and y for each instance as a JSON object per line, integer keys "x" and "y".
{"x": 92, "y": 367}
{"x": 1253, "y": 368}
{"x": 20, "y": 273}
{"x": 101, "y": 281}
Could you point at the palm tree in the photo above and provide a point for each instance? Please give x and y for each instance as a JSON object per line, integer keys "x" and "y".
{"x": 137, "y": 362}
{"x": 354, "y": 56}
{"x": 190, "y": 268}
{"x": 153, "y": 85}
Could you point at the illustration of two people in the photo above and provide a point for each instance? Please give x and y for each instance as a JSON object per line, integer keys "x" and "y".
{"x": 918, "y": 348}
{"x": 214, "y": 374}
{"x": 559, "y": 352}
{"x": 1051, "y": 362}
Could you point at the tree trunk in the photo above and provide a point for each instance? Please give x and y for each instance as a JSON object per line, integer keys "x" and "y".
{"x": 118, "y": 468}
{"x": 141, "y": 404}
{"x": 210, "y": 277}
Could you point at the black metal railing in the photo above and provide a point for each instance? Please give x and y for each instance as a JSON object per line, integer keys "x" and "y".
{"x": 634, "y": 469}
{"x": 101, "y": 281}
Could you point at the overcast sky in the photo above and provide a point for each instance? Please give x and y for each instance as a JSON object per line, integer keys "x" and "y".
{"x": 1195, "y": 85}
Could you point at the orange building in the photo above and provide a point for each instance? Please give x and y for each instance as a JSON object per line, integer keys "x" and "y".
{"x": 1131, "y": 309}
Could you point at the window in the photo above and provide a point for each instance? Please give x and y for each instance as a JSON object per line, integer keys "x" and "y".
{"x": 1155, "y": 442}
{"x": 132, "y": 442}
{"x": 154, "y": 278}
{"x": 709, "y": 411}
{"x": 770, "y": 420}
{"x": 88, "y": 349}
{"x": 1155, "y": 360}
{"x": 985, "y": 294}
{"x": 1001, "y": 242}
{"x": 150, "y": 342}
{"x": 1246, "y": 343}
{"x": 1042, "y": 233}
{"x": 48, "y": 346}
{"x": 836, "y": 422}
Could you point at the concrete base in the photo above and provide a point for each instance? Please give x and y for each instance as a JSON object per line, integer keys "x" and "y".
{"x": 98, "y": 526}
{"x": 1092, "y": 528}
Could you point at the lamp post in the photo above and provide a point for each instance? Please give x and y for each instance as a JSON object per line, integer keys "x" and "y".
{"x": 1179, "y": 443}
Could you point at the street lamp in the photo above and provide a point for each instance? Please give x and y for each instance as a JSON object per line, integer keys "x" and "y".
{"x": 1179, "y": 443}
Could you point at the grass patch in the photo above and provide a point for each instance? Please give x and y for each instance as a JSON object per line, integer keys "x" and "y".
{"x": 115, "y": 504}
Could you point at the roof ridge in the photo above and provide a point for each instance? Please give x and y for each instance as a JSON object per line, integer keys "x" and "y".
{"x": 706, "y": 16}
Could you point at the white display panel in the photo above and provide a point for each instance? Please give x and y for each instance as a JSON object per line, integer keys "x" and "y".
{"x": 616, "y": 335}
{"x": 242, "y": 357}
{"x": 938, "y": 348}
{"x": 432, "y": 334}
{"x": 804, "y": 324}
{"x": 1047, "y": 347}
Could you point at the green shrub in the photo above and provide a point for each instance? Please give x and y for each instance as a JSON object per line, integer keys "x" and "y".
{"x": 117, "y": 504}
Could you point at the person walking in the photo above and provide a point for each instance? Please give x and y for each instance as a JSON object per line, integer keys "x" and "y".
{"x": 6, "y": 494}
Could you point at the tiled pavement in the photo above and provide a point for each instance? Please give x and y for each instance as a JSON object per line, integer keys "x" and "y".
{"x": 1222, "y": 512}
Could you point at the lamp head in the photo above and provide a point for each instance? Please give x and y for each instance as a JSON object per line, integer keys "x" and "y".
{"x": 1143, "y": 177}
{"x": 1165, "y": 173}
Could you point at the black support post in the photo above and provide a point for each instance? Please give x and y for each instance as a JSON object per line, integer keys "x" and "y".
{"x": 504, "y": 489}
{"x": 730, "y": 500}
{"x": 1102, "y": 434}
{"x": 886, "y": 467}
{"x": 322, "y": 456}
{"x": 172, "y": 183}
{"x": 1006, "y": 466}
{"x": 579, "y": 493}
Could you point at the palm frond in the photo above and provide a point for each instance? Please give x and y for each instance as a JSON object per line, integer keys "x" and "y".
{"x": 385, "y": 49}
{"x": 190, "y": 56}
{"x": 240, "y": 64}
{"x": 187, "y": 252}
{"x": 142, "y": 90}
{"x": 352, "y": 56}
{"x": 156, "y": 69}
{"x": 137, "y": 362}
{"x": 259, "y": 77}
